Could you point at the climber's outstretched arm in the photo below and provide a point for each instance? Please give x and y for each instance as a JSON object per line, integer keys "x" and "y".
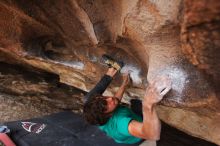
{"x": 102, "y": 84}
{"x": 150, "y": 127}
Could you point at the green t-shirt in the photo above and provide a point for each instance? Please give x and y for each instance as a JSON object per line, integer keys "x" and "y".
{"x": 117, "y": 125}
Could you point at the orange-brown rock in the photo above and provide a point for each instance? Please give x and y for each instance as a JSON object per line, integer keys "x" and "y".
{"x": 177, "y": 38}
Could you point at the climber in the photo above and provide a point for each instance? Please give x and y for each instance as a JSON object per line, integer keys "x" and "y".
{"x": 119, "y": 121}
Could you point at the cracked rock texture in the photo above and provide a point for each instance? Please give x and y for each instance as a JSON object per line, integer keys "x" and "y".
{"x": 66, "y": 39}
{"x": 32, "y": 93}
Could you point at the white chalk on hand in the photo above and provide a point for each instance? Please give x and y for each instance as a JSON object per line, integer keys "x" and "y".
{"x": 162, "y": 85}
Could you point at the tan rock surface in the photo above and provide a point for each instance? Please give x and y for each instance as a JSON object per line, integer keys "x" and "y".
{"x": 28, "y": 94}
{"x": 153, "y": 37}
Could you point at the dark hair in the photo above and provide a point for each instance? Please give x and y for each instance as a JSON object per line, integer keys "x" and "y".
{"x": 94, "y": 110}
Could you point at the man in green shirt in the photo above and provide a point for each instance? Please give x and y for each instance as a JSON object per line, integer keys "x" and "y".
{"x": 118, "y": 121}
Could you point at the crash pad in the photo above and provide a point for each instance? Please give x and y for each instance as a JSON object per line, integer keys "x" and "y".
{"x": 60, "y": 129}
{"x": 70, "y": 129}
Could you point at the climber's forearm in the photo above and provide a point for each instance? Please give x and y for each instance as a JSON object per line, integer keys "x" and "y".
{"x": 120, "y": 92}
{"x": 151, "y": 123}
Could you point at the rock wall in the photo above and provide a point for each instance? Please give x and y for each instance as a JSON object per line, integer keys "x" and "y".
{"x": 177, "y": 38}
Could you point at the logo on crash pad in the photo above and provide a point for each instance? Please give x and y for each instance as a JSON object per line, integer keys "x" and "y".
{"x": 33, "y": 127}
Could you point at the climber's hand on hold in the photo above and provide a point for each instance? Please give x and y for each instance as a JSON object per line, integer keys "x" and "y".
{"x": 126, "y": 79}
{"x": 156, "y": 90}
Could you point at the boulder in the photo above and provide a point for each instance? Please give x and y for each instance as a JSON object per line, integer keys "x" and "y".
{"x": 177, "y": 38}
